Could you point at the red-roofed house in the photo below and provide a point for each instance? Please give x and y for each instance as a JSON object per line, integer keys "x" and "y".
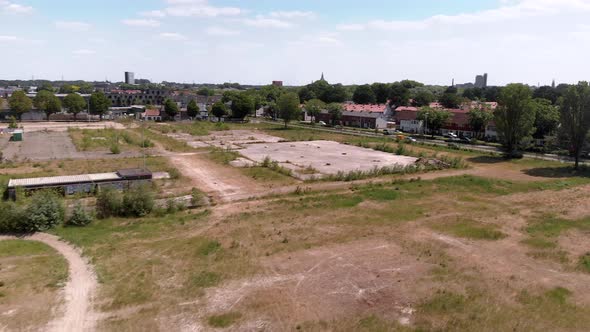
{"x": 363, "y": 116}
{"x": 152, "y": 114}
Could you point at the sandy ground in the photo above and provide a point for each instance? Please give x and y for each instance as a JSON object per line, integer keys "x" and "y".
{"x": 63, "y": 126}
{"x": 223, "y": 183}
{"x": 232, "y": 139}
{"x": 78, "y": 292}
{"x": 50, "y": 145}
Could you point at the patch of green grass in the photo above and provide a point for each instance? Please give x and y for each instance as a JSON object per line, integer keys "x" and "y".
{"x": 584, "y": 262}
{"x": 550, "y": 226}
{"x": 470, "y": 230}
{"x": 224, "y": 320}
{"x": 205, "y": 279}
{"x": 264, "y": 174}
{"x": 381, "y": 194}
{"x": 444, "y": 302}
{"x": 223, "y": 156}
{"x": 209, "y": 248}
{"x": 374, "y": 323}
{"x": 539, "y": 243}
{"x": 10, "y": 248}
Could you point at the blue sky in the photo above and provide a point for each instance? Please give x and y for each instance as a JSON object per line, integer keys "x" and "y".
{"x": 257, "y": 41}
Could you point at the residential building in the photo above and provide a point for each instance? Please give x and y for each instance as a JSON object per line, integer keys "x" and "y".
{"x": 129, "y": 77}
{"x": 361, "y": 116}
{"x": 277, "y": 83}
{"x": 481, "y": 81}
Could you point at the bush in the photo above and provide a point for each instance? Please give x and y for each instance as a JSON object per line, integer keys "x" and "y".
{"x": 79, "y": 217}
{"x": 196, "y": 197}
{"x": 115, "y": 149}
{"x": 108, "y": 203}
{"x": 43, "y": 212}
{"x": 137, "y": 202}
{"x": 11, "y": 217}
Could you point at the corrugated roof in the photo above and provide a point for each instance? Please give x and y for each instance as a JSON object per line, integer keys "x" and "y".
{"x": 59, "y": 180}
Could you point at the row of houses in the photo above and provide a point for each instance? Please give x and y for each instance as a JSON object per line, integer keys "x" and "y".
{"x": 405, "y": 118}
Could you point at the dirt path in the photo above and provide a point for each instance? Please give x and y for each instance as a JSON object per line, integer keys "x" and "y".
{"x": 226, "y": 185}
{"x": 78, "y": 291}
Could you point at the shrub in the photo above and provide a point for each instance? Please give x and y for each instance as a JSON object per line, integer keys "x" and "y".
{"x": 43, "y": 212}
{"x": 138, "y": 202}
{"x": 13, "y": 124}
{"x": 108, "y": 203}
{"x": 79, "y": 217}
{"x": 115, "y": 149}
{"x": 196, "y": 197}
{"x": 11, "y": 217}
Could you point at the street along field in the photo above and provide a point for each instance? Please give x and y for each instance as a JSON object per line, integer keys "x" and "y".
{"x": 497, "y": 245}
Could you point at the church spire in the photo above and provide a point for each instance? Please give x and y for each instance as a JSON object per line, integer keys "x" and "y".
{"x": 322, "y": 79}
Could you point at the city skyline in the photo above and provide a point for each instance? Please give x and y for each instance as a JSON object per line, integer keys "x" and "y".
{"x": 258, "y": 42}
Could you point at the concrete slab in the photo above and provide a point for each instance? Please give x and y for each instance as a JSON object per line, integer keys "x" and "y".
{"x": 326, "y": 157}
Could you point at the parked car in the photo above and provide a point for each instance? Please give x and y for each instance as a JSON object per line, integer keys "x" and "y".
{"x": 391, "y": 132}
{"x": 410, "y": 140}
{"x": 451, "y": 135}
{"x": 465, "y": 140}
{"x": 322, "y": 123}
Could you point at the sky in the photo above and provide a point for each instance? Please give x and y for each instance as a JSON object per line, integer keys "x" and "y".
{"x": 258, "y": 41}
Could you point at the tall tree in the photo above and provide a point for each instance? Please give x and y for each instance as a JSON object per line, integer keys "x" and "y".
{"x": 74, "y": 103}
{"x": 473, "y": 94}
{"x": 423, "y": 98}
{"x": 399, "y": 95}
{"x": 53, "y": 106}
{"x": 546, "y": 118}
{"x": 242, "y": 105}
{"x": 219, "y": 110}
{"x": 99, "y": 104}
{"x": 363, "y": 94}
{"x": 170, "y": 108}
{"x": 434, "y": 118}
{"x": 479, "y": 117}
{"x": 192, "y": 109}
{"x": 46, "y": 87}
{"x": 450, "y": 99}
{"x": 288, "y": 105}
{"x": 45, "y": 102}
{"x": 575, "y": 117}
{"x": 20, "y": 103}
{"x": 68, "y": 88}
{"x": 546, "y": 92}
{"x": 514, "y": 117}
{"x": 314, "y": 107}
{"x": 381, "y": 91}
{"x": 86, "y": 88}
{"x": 335, "y": 111}
{"x": 204, "y": 91}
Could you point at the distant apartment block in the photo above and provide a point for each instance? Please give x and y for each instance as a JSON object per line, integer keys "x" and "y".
{"x": 481, "y": 81}
{"x": 277, "y": 83}
{"x": 129, "y": 77}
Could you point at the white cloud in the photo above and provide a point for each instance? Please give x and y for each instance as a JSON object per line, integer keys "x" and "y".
{"x": 84, "y": 52}
{"x": 141, "y": 23}
{"x": 15, "y": 8}
{"x": 198, "y": 8}
{"x": 172, "y": 36}
{"x": 265, "y": 22}
{"x": 153, "y": 13}
{"x": 8, "y": 38}
{"x": 350, "y": 27}
{"x": 72, "y": 25}
{"x": 293, "y": 14}
{"x": 218, "y": 31}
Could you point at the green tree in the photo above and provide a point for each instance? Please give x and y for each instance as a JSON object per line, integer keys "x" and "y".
{"x": 450, "y": 99}
{"x": 479, "y": 117}
{"x": 381, "y": 91}
{"x": 514, "y": 117}
{"x": 53, "y": 106}
{"x": 46, "y": 86}
{"x": 546, "y": 118}
{"x": 335, "y": 111}
{"x": 44, "y": 211}
{"x": 138, "y": 202}
{"x": 170, "y": 108}
{"x": 288, "y": 105}
{"x": 41, "y": 100}
{"x": 575, "y": 117}
{"x": 74, "y": 103}
{"x": 314, "y": 107}
{"x": 336, "y": 94}
{"x": 68, "y": 88}
{"x": 20, "y": 103}
{"x": 423, "y": 98}
{"x": 399, "y": 95}
{"x": 546, "y": 92}
{"x": 363, "y": 94}
{"x": 99, "y": 104}
{"x": 434, "y": 118}
{"x": 86, "y": 88}
{"x": 305, "y": 94}
{"x": 473, "y": 94}
{"x": 219, "y": 110}
{"x": 204, "y": 91}
{"x": 192, "y": 109}
{"x": 242, "y": 105}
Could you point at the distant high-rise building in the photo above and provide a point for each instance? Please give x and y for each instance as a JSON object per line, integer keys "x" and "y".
{"x": 277, "y": 83}
{"x": 129, "y": 77}
{"x": 481, "y": 81}
{"x": 553, "y": 84}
